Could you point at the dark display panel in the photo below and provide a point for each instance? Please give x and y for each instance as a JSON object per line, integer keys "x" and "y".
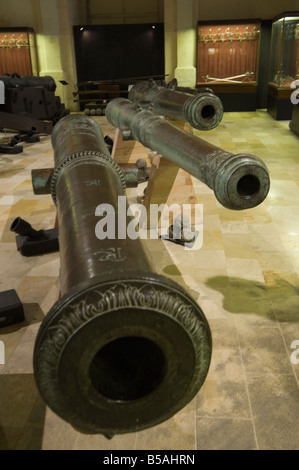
{"x": 108, "y": 52}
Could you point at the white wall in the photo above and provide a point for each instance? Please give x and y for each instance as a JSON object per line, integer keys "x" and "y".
{"x": 238, "y": 9}
{"x": 16, "y": 13}
{"x": 124, "y": 11}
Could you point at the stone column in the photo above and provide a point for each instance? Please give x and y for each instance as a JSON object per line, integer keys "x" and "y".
{"x": 47, "y": 40}
{"x": 68, "y": 16}
{"x": 185, "y": 71}
{"x": 170, "y": 38}
{"x": 55, "y": 45}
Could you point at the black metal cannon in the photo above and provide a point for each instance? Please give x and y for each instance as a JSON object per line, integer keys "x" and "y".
{"x": 31, "y": 242}
{"x": 124, "y": 348}
{"x": 202, "y": 110}
{"x": 33, "y": 96}
{"x": 15, "y": 80}
{"x": 30, "y": 107}
{"x": 239, "y": 181}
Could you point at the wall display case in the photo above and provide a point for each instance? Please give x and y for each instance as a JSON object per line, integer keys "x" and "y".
{"x": 228, "y": 53}
{"x": 17, "y": 51}
{"x": 284, "y": 64}
{"x": 227, "y": 57}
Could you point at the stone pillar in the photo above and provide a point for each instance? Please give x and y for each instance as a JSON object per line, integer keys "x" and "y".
{"x": 68, "y": 16}
{"x": 55, "y": 46}
{"x": 48, "y": 45}
{"x": 185, "y": 71}
{"x": 170, "y": 38}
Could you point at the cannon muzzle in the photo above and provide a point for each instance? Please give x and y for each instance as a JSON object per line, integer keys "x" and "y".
{"x": 23, "y": 228}
{"x": 124, "y": 348}
{"x": 203, "y": 110}
{"x": 239, "y": 181}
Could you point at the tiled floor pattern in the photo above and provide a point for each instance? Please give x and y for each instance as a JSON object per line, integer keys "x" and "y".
{"x": 245, "y": 278}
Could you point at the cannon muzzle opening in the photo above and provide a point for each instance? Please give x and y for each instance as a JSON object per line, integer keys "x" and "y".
{"x": 242, "y": 182}
{"x": 204, "y": 111}
{"x": 128, "y": 368}
{"x": 208, "y": 111}
{"x": 248, "y": 186}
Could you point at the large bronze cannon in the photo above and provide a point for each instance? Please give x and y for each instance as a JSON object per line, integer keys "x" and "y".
{"x": 124, "y": 348}
{"x": 239, "y": 181}
{"x": 203, "y": 110}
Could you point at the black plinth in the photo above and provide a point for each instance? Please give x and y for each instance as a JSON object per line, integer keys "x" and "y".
{"x": 294, "y": 124}
{"x": 279, "y": 108}
{"x": 11, "y": 309}
{"x": 31, "y": 246}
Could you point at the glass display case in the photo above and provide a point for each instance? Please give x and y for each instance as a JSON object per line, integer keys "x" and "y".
{"x": 284, "y": 65}
{"x": 228, "y": 53}
{"x": 284, "y": 58}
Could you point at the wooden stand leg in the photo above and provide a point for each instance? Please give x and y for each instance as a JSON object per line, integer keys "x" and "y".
{"x": 163, "y": 174}
{"x": 161, "y": 180}
{"x": 128, "y": 151}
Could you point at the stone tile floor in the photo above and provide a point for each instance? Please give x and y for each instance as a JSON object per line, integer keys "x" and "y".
{"x": 245, "y": 278}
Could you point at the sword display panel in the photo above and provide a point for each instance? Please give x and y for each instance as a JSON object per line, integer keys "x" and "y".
{"x": 228, "y": 53}
{"x": 17, "y": 51}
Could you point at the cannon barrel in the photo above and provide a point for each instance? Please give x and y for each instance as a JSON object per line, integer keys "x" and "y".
{"x": 203, "y": 110}
{"x": 124, "y": 348}
{"x": 239, "y": 181}
{"x": 16, "y": 81}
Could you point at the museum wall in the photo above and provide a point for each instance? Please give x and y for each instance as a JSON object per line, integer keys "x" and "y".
{"x": 53, "y": 23}
{"x": 124, "y": 11}
{"x": 181, "y": 36}
{"x": 234, "y": 9}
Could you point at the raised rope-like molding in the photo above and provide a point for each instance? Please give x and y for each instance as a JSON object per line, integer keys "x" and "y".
{"x": 97, "y": 158}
